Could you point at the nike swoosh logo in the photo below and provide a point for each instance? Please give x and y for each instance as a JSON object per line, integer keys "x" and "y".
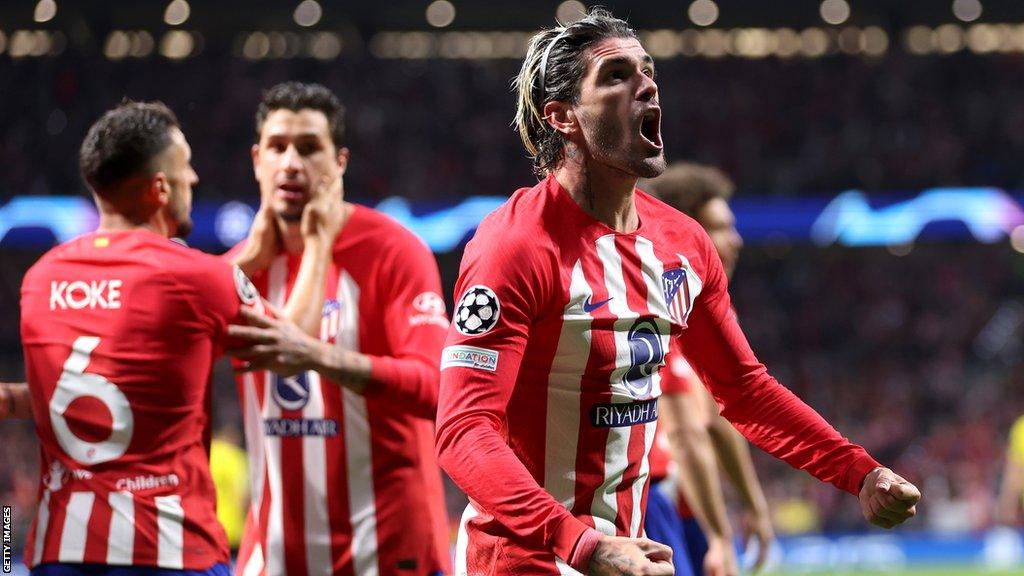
{"x": 588, "y": 307}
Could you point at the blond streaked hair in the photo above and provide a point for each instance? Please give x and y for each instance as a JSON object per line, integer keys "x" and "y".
{"x": 688, "y": 186}
{"x": 552, "y": 71}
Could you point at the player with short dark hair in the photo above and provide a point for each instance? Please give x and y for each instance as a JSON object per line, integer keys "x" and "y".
{"x": 567, "y": 298}
{"x": 120, "y": 329}
{"x": 340, "y": 428}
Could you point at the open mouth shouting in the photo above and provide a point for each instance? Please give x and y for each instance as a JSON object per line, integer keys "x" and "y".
{"x": 650, "y": 127}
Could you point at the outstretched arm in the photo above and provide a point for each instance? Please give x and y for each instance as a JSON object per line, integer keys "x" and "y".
{"x": 776, "y": 420}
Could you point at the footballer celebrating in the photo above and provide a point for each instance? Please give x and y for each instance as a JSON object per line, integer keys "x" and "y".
{"x": 567, "y": 299}
{"x": 120, "y": 329}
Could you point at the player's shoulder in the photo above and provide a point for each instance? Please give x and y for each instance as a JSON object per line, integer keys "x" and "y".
{"x": 668, "y": 220}
{"x": 522, "y": 224}
{"x": 667, "y": 226}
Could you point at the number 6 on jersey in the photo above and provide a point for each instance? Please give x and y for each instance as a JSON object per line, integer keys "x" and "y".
{"x": 75, "y": 383}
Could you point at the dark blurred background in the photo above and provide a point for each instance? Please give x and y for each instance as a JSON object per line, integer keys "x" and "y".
{"x": 913, "y": 349}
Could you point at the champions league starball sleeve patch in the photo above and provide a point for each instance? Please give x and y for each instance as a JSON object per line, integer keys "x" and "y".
{"x": 247, "y": 293}
{"x": 477, "y": 311}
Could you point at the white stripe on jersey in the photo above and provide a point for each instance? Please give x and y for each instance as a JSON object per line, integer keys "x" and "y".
{"x": 563, "y": 404}
{"x": 254, "y": 566}
{"x": 42, "y": 524}
{"x": 314, "y": 464}
{"x": 359, "y": 462}
{"x": 616, "y": 458}
{"x": 76, "y": 526}
{"x": 121, "y": 536}
{"x": 170, "y": 545}
{"x": 276, "y": 278}
{"x": 462, "y": 541}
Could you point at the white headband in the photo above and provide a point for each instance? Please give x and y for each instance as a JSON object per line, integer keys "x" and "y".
{"x": 544, "y": 62}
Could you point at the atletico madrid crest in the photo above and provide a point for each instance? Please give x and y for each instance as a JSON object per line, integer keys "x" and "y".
{"x": 677, "y": 294}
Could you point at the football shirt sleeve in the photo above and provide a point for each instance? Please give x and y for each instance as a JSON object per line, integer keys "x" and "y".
{"x": 415, "y": 323}
{"x": 764, "y": 411}
{"x": 498, "y": 294}
{"x": 220, "y": 290}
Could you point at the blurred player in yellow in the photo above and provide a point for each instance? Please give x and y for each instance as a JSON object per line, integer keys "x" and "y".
{"x": 1011, "y": 495}
{"x": 230, "y": 470}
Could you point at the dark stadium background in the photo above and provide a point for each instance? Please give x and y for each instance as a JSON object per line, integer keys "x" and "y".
{"x": 913, "y": 350}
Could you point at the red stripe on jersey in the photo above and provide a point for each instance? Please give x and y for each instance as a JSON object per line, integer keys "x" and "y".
{"x": 146, "y": 541}
{"x": 99, "y": 523}
{"x": 293, "y": 507}
{"x": 55, "y": 528}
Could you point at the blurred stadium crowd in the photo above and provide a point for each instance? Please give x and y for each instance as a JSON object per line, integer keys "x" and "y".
{"x": 783, "y": 127}
{"x": 889, "y": 348}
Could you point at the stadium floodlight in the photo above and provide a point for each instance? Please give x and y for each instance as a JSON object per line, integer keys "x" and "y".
{"x": 835, "y": 11}
{"x": 967, "y": 10}
{"x": 45, "y": 11}
{"x": 440, "y": 13}
{"x": 308, "y": 13}
{"x": 703, "y": 12}
{"x": 177, "y": 12}
{"x": 570, "y": 11}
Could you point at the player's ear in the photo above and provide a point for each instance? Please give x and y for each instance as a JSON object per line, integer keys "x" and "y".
{"x": 159, "y": 191}
{"x": 255, "y": 153}
{"x": 343, "y": 160}
{"x": 560, "y": 116}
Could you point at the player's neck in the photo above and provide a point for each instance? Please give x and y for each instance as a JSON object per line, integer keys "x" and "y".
{"x": 291, "y": 231}
{"x": 116, "y": 222}
{"x": 291, "y": 236}
{"x": 605, "y": 196}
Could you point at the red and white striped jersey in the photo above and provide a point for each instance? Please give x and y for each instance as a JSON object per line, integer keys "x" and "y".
{"x": 120, "y": 331}
{"x": 550, "y": 378}
{"x": 346, "y": 483}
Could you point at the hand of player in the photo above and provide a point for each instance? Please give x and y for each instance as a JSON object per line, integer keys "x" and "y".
{"x": 758, "y": 524}
{"x": 720, "y": 559}
{"x": 323, "y": 216}
{"x": 262, "y": 245}
{"x": 15, "y": 400}
{"x": 886, "y": 499}
{"x": 274, "y": 344}
{"x": 618, "y": 556}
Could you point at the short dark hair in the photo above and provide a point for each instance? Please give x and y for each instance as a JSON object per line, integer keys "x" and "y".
{"x": 297, "y": 96}
{"x": 559, "y": 51}
{"x": 687, "y": 186}
{"x": 123, "y": 141}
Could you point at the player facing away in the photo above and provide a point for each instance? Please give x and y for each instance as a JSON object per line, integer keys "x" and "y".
{"x": 340, "y": 429}
{"x": 567, "y": 300}
{"x": 120, "y": 329}
{"x": 691, "y": 433}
